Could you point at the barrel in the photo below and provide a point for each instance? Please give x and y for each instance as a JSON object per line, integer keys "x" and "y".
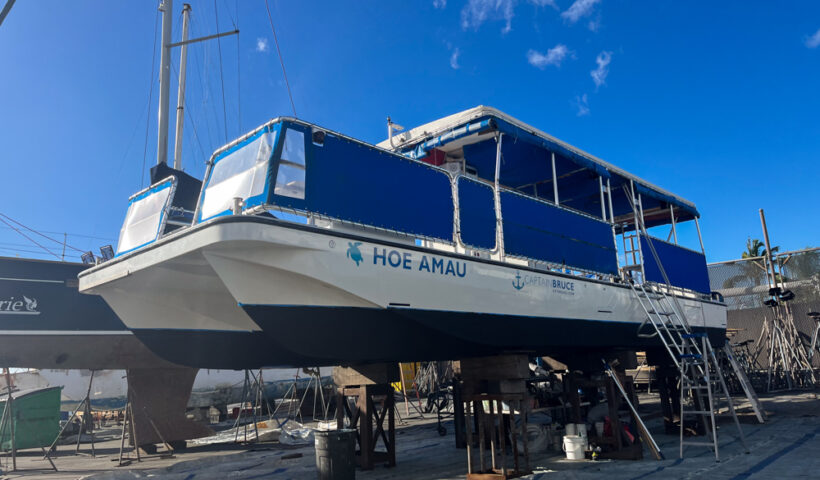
{"x": 336, "y": 454}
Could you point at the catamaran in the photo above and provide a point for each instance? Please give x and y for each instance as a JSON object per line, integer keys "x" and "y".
{"x": 475, "y": 234}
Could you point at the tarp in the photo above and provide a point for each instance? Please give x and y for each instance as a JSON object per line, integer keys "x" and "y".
{"x": 354, "y": 182}
{"x": 541, "y": 231}
{"x": 685, "y": 268}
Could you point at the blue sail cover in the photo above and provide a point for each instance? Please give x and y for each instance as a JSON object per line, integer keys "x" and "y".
{"x": 354, "y": 182}
{"x": 541, "y": 231}
{"x": 685, "y": 268}
{"x": 476, "y": 207}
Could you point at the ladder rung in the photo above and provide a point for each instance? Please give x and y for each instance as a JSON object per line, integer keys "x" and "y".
{"x": 695, "y": 387}
{"x": 690, "y": 355}
{"x": 697, "y": 412}
{"x": 703, "y": 444}
{"x": 694, "y": 335}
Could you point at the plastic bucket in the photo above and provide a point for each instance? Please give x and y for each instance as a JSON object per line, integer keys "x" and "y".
{"x": 574, "y": 447}
{"x": 336, "y": 454}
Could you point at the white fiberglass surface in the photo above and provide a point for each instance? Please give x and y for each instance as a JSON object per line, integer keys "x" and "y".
{"x": 142, "y": 221}
{"x": 290, "y": 179}
{"x": 240, "y": 174}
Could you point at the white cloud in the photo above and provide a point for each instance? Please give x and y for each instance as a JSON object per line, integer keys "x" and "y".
{"x": 814, "y": 40}
{"x": 544, "y": 3}
{"x": 599, "y": 74}
{"x": 582, "y": 105}
{"x": 554, "y": 56}
{"x": 261, "y": 44}
{"x": 439, "y": 3}
{"x": 578, "y": 10}
{"x": 454, "y": 59}
{"x": 477, "y": 12}
{"x": 594, "y": 24}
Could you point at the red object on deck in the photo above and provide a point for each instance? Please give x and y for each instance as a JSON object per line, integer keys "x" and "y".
{"x": 434, "y": 157}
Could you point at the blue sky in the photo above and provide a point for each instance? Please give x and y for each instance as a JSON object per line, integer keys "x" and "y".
{"x": 717, "y": 102}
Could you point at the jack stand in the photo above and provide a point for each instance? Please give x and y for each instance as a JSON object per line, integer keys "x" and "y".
{"x": 85, "y": 404}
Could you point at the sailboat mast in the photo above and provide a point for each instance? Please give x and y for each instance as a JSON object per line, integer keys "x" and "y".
{"x": 183, "y": 62}
{"x": 166, "y": 8}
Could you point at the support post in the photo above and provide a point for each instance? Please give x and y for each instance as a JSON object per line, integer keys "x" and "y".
{"x": 769, "y": 256}
{"x": 601, "y": 191}
{"x": 674, "y": 230}
{"x": 183, "y": 63}
{"x": 499, "y": 223}
{"x": 167, "y": 8}
{"x": 554, "y": 181}
{"x": 700, "y": 237}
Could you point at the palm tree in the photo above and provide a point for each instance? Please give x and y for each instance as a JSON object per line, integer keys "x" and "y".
{"x": 753, "y": 271}
{"x": 756, "y": 248}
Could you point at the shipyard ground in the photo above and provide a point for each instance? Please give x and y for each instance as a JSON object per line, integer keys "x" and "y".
{"x": 786, "y": 447}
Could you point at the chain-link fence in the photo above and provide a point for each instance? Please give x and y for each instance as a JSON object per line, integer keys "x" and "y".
{"x": 744, "y": 285}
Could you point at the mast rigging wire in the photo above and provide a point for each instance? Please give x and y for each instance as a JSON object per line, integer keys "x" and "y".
{"x": 221, "y": 75}
{"x": 281, "y": 62}
{"x": 150, "y": 97}
{"x": 238, "y": 71}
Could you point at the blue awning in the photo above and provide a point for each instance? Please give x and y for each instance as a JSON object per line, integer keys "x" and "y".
{"x": 648, "y": 192}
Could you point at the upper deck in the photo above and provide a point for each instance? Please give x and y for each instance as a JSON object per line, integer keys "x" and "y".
{"x": 477, "y": 183}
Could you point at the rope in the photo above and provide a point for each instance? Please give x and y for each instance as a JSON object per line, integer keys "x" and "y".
{"x": 221, "y": 75}
{"x": 150, "y": 97}
{"x": 281, "y": 62}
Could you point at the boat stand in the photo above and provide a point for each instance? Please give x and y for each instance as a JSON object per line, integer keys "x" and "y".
{"x": 85, "y": 405}
{"x": 494, "y": 398}
{"x": 369, "y": 387}
{"x": 129, "y": 420}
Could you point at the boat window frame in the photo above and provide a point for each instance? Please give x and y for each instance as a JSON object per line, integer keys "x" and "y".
{"x": 163, "y": 211}
{"x": 274, "y": 134}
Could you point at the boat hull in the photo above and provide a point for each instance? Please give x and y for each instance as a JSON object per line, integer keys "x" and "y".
{"x": 349, "y": 336}
{"x": 322, "y": 296}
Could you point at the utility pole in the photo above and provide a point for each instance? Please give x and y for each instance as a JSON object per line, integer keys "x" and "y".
{"x": 769, "y": 256}
{"x": 167, "y": 8}
{"x": 183, "y": 63}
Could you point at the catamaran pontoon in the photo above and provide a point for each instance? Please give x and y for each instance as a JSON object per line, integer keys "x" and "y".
{"x": 472, "y": 235}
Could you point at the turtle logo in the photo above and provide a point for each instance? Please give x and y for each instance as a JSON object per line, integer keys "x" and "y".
{"x": 353, "y": 252}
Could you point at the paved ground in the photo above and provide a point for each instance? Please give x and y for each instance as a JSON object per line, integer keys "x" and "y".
{"x": 786, "y": 447}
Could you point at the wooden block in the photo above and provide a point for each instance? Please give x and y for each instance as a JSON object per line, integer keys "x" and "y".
{"x": 501, "y": 367}
{"x": 373, "y": 374}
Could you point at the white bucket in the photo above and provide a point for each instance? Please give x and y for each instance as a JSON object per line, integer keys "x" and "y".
{"x": 581, "y": 429}
{"x": 574, "y": 447}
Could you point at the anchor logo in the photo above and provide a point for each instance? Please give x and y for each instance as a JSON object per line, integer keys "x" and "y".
{"x": 353, "y": 252}
{"x": 517, "y": 284}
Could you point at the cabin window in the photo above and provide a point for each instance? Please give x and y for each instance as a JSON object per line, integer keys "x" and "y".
{"x": 290, "y": 179}
{"x": 239, "y": 174}
{"x": 143, "y": 220}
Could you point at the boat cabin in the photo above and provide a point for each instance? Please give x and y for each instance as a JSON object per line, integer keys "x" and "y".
{"x": 479, "y": 183}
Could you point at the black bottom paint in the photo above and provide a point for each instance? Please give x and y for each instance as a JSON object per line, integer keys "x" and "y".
{"x": 348, "y": 335}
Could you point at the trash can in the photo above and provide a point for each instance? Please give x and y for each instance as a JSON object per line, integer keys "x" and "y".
{"x": 336, "y": 454}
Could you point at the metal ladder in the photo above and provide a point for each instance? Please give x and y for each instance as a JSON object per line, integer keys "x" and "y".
{"x": 696, "y": 360}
